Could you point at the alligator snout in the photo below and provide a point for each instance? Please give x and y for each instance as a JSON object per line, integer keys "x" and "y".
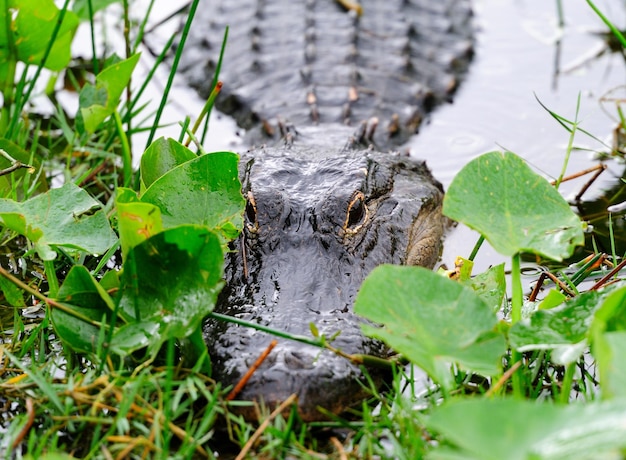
{"x": 308, "y": 372}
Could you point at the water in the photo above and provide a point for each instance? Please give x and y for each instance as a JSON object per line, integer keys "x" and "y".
{"x": 521, "y": 54}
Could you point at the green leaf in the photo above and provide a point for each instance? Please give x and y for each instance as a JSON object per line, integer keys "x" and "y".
{"x": 490, "y": 286}
{"x": 564, "y": 325}
{"x": 515, "y": 209}
{"x": 64, "y": 217}
{"x": 88, "y": 308}
{"x": 564, "y": 329}
{"x": 81, "y": 7}
{"x": 554, "y": 298}
{"x": 100, "y": 101}
{"x": 137, "y": 221}
{"x": 170, "y": 282}
{"x": 12, "y": 294}
{"x": 204, "y": 191}
{"x": 609, "y": 354}
{"x": 162, "y": 156}
{"x": 431, "y": 320}
{"x": 31, "y": 24}
{"x": 495, "y": 429}
{"x": 607, "y": 339}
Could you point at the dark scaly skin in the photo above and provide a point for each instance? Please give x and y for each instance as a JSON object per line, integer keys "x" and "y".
{"x": 311, "y": 62}
{"x": 322, "y": 213}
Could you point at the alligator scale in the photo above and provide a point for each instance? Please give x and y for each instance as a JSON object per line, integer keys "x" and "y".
{"x": 325, "y": 203}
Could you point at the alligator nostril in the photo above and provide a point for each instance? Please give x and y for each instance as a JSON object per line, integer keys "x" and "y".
{"x": 295, "y": 360}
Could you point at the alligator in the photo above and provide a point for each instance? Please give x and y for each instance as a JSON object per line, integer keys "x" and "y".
{"x": 325, "y": 203}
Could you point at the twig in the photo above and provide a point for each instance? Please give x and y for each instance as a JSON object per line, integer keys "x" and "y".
{"x": 608, "y": 276}
{"x": 15, "y": 165}
{"x": 342, "y": 453}
{"x": 537, "y": 288}
{"x": 242, "y": 382}
{"x": 352, "y": 5}
{"x": 506, "y": 376}
{"x": 257, "y": 434}
{"x": 30, "y": 411}
{"x": 589, "y": 182}
{"x": 560, "y": 284}
{"x": 600, "y": 167}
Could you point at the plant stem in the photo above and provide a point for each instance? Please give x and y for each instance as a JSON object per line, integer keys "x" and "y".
{"x": 41, "y": 65}
{"x": 269, "y": 330}
{"x": 92, "y": 30}
{"x": 477, "y": 246}
{"x": 609, "y": 24}
{"x": 51, "y": 275}
{"x": 127, "y": 157}
{"x": 11, "y": 65}
{"x": 516, "y": 378}
{"x": 570, "y": 145}
{"x": 170, "y": 79}
{"x": 568, "y": 379}
{"x": 560, "y": 14}
{"x": 516, "y": 315}
{"x": 205, "y": 110}
{"x": 516, "y": 289}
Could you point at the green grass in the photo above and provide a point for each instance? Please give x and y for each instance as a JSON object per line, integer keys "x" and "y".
{"x": 63, "y": 395}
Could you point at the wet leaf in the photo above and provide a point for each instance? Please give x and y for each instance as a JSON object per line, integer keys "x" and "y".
{"x": 494, "y": 429}
{"x": 64, "y": 217}
{"x": 31, "y": 23}
{"x": 564, "y": 329}
{"x": 169, "y": 284}
{"x": 607, "y": 340}
{"x": 204, "y": 191}
{"x": 515, "y": 209}
{"x": 431, "y": 320}
{"x": 99, "y": 101}
{"x": 137, "y": 221}
{"x": 162, "y": 156}
{"x": 88, "y": 309}
{"x": 490, "y": 286}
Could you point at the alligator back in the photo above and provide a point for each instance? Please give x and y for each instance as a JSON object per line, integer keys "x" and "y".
{"x": 311, "y": 62}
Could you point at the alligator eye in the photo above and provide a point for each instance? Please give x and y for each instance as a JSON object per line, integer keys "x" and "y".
{"x": 250, "y": 212}
{"x": 357, "y": 213}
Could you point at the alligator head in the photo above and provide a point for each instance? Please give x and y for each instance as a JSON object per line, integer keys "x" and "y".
{"x": 316, "y": 224}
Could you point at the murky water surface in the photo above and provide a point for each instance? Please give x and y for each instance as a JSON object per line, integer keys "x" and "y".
{"x": 521, "y": 54}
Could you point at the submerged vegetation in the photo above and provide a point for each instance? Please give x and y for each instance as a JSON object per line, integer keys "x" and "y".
{"x": 107, "y": 273}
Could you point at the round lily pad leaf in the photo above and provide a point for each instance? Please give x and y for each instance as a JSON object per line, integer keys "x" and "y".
{"x": 67, "y": 217}
{"x": 490, "y": 429}
{"x": 515, "y": 209}
{"x": 84, "y": 312}
{"x": 162, "y": 156}
{"x": 204, "y": 191}
{"x": 170, "y": 282}
{"x": 431, "y": 320}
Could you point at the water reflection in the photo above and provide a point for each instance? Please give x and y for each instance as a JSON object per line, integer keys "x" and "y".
{"x": 522, "y": 55}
